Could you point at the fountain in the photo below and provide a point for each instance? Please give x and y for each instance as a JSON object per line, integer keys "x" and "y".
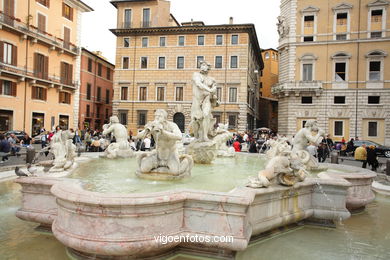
{"x": 120, "y": 208}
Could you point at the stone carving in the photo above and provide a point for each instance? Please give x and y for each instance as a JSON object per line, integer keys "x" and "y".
{"x": 289, "y": 165}
{"x": 222, "y": 135}
{"x": 63, "y": 149}
{"x": 121, "y": 147}
{"x": 283, "y": 28}
{"x": 163, "y": 163}
{"x": 204, "y": 88}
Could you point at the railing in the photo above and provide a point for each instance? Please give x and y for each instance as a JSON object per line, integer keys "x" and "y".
{"x": 35, "y": 32}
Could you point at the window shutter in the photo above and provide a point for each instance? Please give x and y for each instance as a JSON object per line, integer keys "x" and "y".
{"x": 46, "y": 68}
{"x": 33, "y": 90}
{"x": 44, "y": 94}
{"x": 63, "y": 9}
{"x": 36, "y": 64}
{"x": 13, "y": 90}
{"x": 14, "y": 55}
{"x": 1, "y": 51}
{"x": 1, "y": 87}
{"x": 62, "y": 79}
{"x": 71, "y": 14}
{"x": 70, "y": 72}
{"x": 48, "y": 3}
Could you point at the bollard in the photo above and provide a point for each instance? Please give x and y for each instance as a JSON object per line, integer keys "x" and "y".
{"x": 30, "y": 154}
{"x": 334, "y": 157}
{"x": 388, "y": 167}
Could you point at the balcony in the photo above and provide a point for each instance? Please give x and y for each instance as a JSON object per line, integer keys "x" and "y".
{"x": 42, "y": 77}
{"x": 297, "y": 87}
{"x": 15, "y": 24}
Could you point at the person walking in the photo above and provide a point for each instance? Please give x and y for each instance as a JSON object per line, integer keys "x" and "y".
{"x": 361, "y": 155}
{"x": 372, "y": 158}
{"x": 5, "y": 148}
{"x": 237, "y": 146}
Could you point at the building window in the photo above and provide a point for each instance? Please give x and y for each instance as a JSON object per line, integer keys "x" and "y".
{"x": 125, "y": 63}
{"x": 233, "y": 62}
{"x": 99, "y": 69}
{"x": 89, "y": 64}
{"x": 218, "y": 62}
{"x": 144, "y": 62}
{"x": 123, "y": 117}
{"x": 219, "y": 94}
{"x": 88, "y": 111}
{"x": 160, "y": 93}
{"x": 339, "y": 99}
{"x": 127, "y": 19}
{"x": 66, "y": 73}
{"x": 199, "y": 59}
{"x": 67, "y": 11}
{"x": 306, "y": 100}
{"x": 89, "y": 88}
{"x": 372, "y": 129}
{"x": 218, "y": 40}
{"x": 126, "y": 42}
{"x": 232, "y": 95}
{"x": 44, "y": 2}
{"x": 9, "y": 53}
{"x": 38, "y": 93}
{"x": 41, "y": 23}
{"x": 340, "y": 71}
{"x": 200, "y": 40}
{"x": 373, "y": 99}
{"x": 341, "y": 18}
{"x": 64, "y": 97}
{"x": 180, "y": 62}
{"x": 307, "y": 72}
{"x": 142, "y": 116}
{"x": 232, "y": 121}
{"x": 145, "y": 41}
{"x": 124, "y": 91}
{"x": 234, "y": 39}
{"x": 146, "y": 18}
{"x": 7, "y": 88}
{"x": 161, "y": 62}
{"x": 108, "y": 73}
{"x": 308, "y": 38}
{"x": 375, "y": 71}
{"x": 181, "y": 41}
{"x": 41, "y": 66}
{"x": 179, "y": 93}
{"x": 338, "y": 128}
{"x": 99, "y": 94}
{"x": 266, "y": 55}
{"x": 162, "y": 41}
{"x": 217, "y": 118}
{"x": 107, "y": 113}
{"x": 376, "y": 16}
{"x": 375, "y": 35}
{"x": 341, "y": 37}
{"x": 142, "y": 93}
{"x": 107, "y": 96}
{"x": 308, "y": 21}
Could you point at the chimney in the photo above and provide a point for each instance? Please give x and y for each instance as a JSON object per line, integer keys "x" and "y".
{"x": 231, "y": 20}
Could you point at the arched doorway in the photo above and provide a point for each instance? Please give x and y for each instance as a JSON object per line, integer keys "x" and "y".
{"x": 180, "y": 120}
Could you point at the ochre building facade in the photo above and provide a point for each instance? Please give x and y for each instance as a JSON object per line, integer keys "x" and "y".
{"x": 39, "y": 64}
{"x": 334, "y": 67}
{"x": 156, "y": 57}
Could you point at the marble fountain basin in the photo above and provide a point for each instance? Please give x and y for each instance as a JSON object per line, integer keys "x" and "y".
{"x": 97, "y": 220}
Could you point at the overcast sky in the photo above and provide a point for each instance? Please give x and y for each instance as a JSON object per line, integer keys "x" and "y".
{"x": 262, "y": 13}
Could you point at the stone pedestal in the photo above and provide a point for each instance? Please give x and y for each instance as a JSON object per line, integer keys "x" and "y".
{"x": 203, "y": 152}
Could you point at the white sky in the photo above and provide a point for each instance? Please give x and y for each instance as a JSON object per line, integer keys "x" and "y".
{"x": 262, "y": 13}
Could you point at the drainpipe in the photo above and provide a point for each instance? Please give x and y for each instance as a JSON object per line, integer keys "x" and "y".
{"x": 357, "y": 74}
{"x": 26, "y": 70}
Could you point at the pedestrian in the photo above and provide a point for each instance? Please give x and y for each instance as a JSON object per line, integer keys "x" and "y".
{"x": 5, "y": 148}
{"x": 44, "y": 139}
{"x": 146, "y": 144}
{"x": 237, "y": 146}
{"x": 372, "y": 158}
{"x": 252, "y": 146}
{"x": 361, "y": 155}
{"x": 13, "y": 141}
{"x": 87, "y": 140}
{"x": 26, "y": 140}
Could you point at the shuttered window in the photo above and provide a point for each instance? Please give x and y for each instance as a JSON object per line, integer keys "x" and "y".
{"x": 44, "y": 2}
{"x": 64, "y": 97}
{"x": 66, "y": 73}
{"x": 41, "y": 23}
{"x": 41, "y": 66}
{"x": 38, "y": 93}
{"x": 67, "y": 11}
{"x": 8, "y": 53}
{"x": 8, "y": 88}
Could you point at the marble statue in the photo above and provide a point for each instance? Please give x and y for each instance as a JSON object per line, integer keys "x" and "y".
{"x": 287, "y": 164}
{"x": 283, "y": 28}
{"x": 204, "y": 87}
{"x": 221, "y": 136}
{"x": 164, "y": 162}
{"x": 63, "y": 149}
{"x": 121, "y": 147}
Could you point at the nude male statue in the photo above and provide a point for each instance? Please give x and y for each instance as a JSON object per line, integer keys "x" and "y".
{"x": 304, "y": 136}
{"x": 121, "y": 147}
{"x": 165, "y": 158}
{"x": 204, "y": 99}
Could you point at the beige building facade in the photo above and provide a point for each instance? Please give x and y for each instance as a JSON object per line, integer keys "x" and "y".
{"x": 39, "y": 64}
{"x": 334, "y": 67}
{"x": 156, "y": 57}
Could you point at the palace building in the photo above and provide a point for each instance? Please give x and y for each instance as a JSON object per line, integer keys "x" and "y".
{"x": 334, "y": 67}
{"x": 156, "y": 57}
{"x": 39, "y": 64}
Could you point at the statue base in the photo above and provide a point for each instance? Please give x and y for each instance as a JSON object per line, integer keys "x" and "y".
{"x": 203, "y": 152}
